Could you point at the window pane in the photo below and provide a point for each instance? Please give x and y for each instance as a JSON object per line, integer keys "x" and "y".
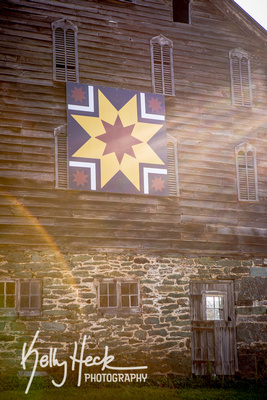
{"x": 125, "y": 288}
{"x": 112, "y": 301}
{"x": 210, "y": 314}
{"x": 10, "y": 287}
{"x": 112, "y": 288}
{"x": 209, "y": 302}
{"x": 35, "y": 302}
{"x": 103, "y": 288}
{"x": 217, "y": 315}
{"x": 10, "y": 301}
{"x": 24, "y": 302}
{"x": 103, "y": 301}
{"x": 217, "y": 302}
{"x": 125, "y": 301}
{"x": 133, "y": 288}
{"x": 134, "y": 301}
{"x": 2, "y": 301}
{"x": 35, "y": 288}
{"x": 2, "y": 287}
{"x": 25, "y": 288}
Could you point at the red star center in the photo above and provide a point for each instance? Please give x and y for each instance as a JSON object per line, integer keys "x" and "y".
{"x": 78, "y": 94}
{"x": 119, "y": 139}
{"x": 80, "y": 178}
{"x": 158, "y": 184}
{"x": 154, "y": 104}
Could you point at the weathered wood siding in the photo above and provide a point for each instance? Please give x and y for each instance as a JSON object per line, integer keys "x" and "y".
{"x": 113, "y": 46}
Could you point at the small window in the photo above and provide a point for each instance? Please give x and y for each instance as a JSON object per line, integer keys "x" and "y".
{"x": 214, "y": 307}
{"x": 240, "y": 78}
{"x": 65, "y": 54}
{"x": 22, "y": 296}
{"x": 61, "y": 158}
{"x": 108, "y": 295}
{"x": 129, "y": 294}
{"x": 181, "y": 11}
{"x": 118, "y": 296}
{"x": 173, "y": 181}
{"x": 246, "y": 170}
{"x": 162, "y": 65}
{"x": 8, "y": 295}
{"x": 30, "y": 295}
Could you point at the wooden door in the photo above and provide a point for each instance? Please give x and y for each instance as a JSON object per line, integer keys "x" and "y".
{"x": 213, "y": 327}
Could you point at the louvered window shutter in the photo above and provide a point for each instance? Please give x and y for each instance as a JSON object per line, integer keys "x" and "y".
{"x": 65, "y": 51}
{"x": 240, "y": 78}
{"x": 162, "y": 65}
{"x": 167, "y": 70}
{"x": 158, "y": 69}
{"x": 252, "y": 194}
{"x": 246, "y": 174}
{"x": 173, "y": 182}
{"x": 61, "y": 160}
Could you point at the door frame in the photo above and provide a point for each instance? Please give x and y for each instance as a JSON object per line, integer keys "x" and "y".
{"x": 213, "y": 341}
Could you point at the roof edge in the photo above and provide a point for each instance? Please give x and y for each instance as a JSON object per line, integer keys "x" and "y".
{"x": 245, "y": 22}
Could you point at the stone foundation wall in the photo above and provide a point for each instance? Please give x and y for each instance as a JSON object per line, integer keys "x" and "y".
{"x": 159, "y": 336}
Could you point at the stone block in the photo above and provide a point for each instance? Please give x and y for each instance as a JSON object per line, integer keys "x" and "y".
{"x": 125, "y": 334}
{"x": 6, "y": 338}
{"x": 258, "y": 271}
{"x": 166, "y": 345}
{"x": 184, "y": 316}
{"x": 2, "y": 326}
{"x": 141, "y": 335}
{"x": 17, "y": 326}
{"x": 251, "y": 310}
{"x": 170, "y": 307}
{"x": 53, "y": 326}
{"x": 158, "y": 332}
{"x": 252, "y": 288}
{"x": 135, "y": 321}
{"x": 141, "y": 260}
{"x": 251, "y": 333}
{"x": 145, "y": 289}
{"x": 240, "y": 270}
{"x": 204, "y": 261}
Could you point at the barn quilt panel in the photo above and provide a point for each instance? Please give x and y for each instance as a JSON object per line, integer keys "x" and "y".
{"x": 116, "y": 140}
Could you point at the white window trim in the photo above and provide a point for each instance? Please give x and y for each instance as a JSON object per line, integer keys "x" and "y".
{"x": 65, "y": 25}
{"x": 162, "y": 41}
{"x": 215, "y": 294}
{"x": 240, "y": 54}
{"x": 245, "y": 147}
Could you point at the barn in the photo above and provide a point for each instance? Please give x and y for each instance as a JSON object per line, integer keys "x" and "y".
{"x": 134, "y": 184}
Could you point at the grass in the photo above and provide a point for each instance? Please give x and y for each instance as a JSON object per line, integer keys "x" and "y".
{"x": 136, "y": 393}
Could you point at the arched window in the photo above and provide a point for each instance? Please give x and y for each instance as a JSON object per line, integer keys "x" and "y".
{"x": 162, "y": 65}
{"x": 240, "y": 78}
{"x": 172, "y": 155}
{"x": 65, "y": 53}
{"x": 246, "y": 169}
